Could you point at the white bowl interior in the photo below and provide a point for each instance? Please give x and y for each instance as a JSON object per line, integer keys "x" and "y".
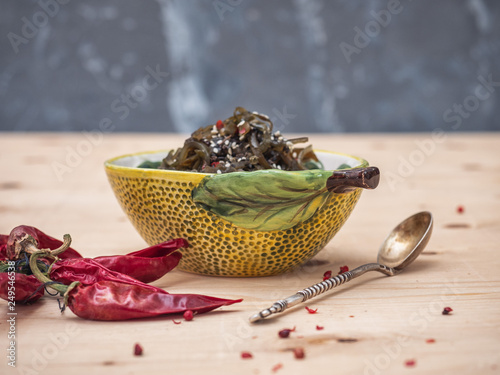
{"x": 331, "y": 161}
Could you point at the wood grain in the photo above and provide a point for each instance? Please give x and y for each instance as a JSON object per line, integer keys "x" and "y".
{"x": 371, "y": 325}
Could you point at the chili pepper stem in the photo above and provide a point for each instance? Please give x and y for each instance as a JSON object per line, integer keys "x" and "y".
{"x": 71, "y": 286}
{"x": 29, "y": 245}
{"x": 61, "y": 288}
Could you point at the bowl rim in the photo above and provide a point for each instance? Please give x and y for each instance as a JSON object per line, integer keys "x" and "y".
{"x": 109, "y": 163}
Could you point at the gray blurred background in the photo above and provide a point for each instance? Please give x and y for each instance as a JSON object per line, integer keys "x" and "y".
{"x": 311, "y": 65}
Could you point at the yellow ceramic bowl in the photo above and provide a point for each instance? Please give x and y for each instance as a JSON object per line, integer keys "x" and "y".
{"x": 240, "y": 224}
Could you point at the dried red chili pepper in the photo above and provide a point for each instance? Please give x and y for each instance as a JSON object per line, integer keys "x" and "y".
{"x": 117, "y": 300}
{"x": 299, "y": 353}
{"x": 42, "y": 241}
{"x": 246, "y": 355}
{"x": 27, "y": 288}
{"x": 148, "y": 264}
{"x": 3, "y": 246}
{"x": 327, "y": 275}
{"x": 219, "y": 124}
{"x": 145, "y": 265}
{"x": 88, "y": 271}
{"x": 319, "y": 328}
{"x": 16, "y": 282}
{"x": 110, "y": 300}
{"x": 311, "y": 311}
{"x": 176, "y": 322}
{"x": 138, "y": 350}
{"x": 84, "y": 270}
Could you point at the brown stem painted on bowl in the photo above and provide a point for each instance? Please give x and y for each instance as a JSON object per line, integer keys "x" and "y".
{"x": 343, "y": 181}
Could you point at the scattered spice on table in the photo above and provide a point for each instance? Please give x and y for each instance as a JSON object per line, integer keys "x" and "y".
{"x": 343, "y": 269}
{"x": 410, "y": 363}
{"x": 319, "y": 328}
{"x": 299, "y": 353}
{"x": 138, "y": 349}
{"x": 188, "y": 315}
{"x": 327, "y": 275}
{"x": 311, "y": 311}
{"x": 447, "y": 310}
{"x": 246, "y": 355}
{"x": 460, "y": 209}
{"x": 284, "y": 333}
{"x": 351, "y": 316}
{"x": 430, "y": 341}
{"x": 176, "y": 322}
{"x": 277, "y": 367}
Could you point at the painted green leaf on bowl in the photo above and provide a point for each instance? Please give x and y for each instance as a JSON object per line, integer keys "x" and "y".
{"x": 263, "y": 200}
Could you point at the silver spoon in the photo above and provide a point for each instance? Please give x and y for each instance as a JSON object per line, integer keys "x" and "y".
{"x": 403, "y": 245}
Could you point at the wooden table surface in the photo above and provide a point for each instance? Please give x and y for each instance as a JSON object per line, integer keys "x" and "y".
{"x": 373, "y": 325}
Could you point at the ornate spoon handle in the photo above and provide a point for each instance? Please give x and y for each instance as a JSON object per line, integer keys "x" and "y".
{"x": 319, "y": 288}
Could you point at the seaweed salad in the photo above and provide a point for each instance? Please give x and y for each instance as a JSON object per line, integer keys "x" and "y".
{"x": 242, "y": 142}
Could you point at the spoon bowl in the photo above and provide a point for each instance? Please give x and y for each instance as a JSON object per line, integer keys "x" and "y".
{"x": 406, "y": 241}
